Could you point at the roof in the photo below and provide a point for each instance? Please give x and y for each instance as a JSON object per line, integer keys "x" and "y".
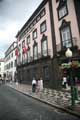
{"x": 10, "y": 46}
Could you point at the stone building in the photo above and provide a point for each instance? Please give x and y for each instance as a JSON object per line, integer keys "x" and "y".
{"x": 42, "y": 41}
{"x": 1, "y": 68}
{"x": 10, "y": 62}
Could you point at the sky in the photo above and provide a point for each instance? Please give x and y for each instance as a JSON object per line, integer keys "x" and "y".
{"x": 13, "y": 15}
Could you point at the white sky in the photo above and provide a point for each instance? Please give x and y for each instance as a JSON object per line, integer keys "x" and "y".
{"x": 13, "y": 15}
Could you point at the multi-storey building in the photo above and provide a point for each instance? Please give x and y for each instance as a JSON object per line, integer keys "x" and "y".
{"x": 10, "y": 62}
{"x": 66, "y": 14}
{"x": 1, "y": 68}
{"x": 42, "y": 41}
{"x": 36, "y": 36}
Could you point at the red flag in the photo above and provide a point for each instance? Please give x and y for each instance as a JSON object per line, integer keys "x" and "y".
{"x": 24, "y": 50}
{"x": 16, "y": 52}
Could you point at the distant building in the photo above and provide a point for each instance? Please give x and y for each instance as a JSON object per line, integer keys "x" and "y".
{"x": 10, "y": 62}
{"x": 42, "y": 41}
{"x": 2, "y": 68}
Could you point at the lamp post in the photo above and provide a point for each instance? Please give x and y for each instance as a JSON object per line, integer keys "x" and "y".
{"x": 68, "y": 54}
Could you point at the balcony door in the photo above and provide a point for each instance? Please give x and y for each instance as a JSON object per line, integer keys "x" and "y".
{"x": 44, "y": 45}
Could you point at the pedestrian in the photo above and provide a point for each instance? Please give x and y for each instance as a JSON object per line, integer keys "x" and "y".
{"x": 41, "y": 84}
{"x": 33, "y": 85}
{"x": 64, "y": 82}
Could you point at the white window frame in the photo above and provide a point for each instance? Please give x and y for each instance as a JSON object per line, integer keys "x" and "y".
{"x": 28, "y": 55}
{"x": 43, "y": 27}
{"x": 35, "y": 52}
{"x": 44, "y": 47}
{"x": 66, "y": 37}
{"x": 28, "y": 39}
{"x": 35, "y": 34}
{"x": 62, "y": 12}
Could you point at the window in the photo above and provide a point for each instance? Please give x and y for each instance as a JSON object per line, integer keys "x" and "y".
{"x": 35, "y": 34}
{"x": 23, "y": 43}
{"x": 28, "y": 39}
{"x": 34, "y": 22}
{"x": 12, "y": 55}
{"x": 62, "y": 9}
{"x": 19, "y": 50}
{"x": 43, "y": 27}
{"x": 44, "y": 47}
{"x": 35, "y": 52}
{"x": 28, "y": 55}
{"x": 66, "y": 37}
{"x": 15, "y": 63}
{"x": 31, "y": 26}
{"x": 11, "y": 64}
{"x": 62, "y": 12}
{"x": 38, "y": 18}
{"x": 43, "y": 12}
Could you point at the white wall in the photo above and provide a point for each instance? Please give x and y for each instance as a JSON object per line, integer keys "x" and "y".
{"x": 11, "y": 70}
{"x": 2, "y": 68}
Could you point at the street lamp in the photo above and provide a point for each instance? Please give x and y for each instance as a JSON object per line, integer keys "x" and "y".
{"x": 68, "y": 54}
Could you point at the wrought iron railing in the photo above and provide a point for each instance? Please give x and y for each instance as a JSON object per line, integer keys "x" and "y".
{"x": 74, "y": 43}
{"x": 46, "y": 53}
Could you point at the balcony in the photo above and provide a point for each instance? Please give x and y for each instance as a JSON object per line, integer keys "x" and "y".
{"x": 40, "y": 55}
{"x": 45, "y": 55}
{"x": 74, "y": 45}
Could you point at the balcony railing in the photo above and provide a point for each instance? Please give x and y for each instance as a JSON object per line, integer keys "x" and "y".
{"x": 74, "y": 42}
{"x": 40, "y": 55}
{"x": 31, "y": 59}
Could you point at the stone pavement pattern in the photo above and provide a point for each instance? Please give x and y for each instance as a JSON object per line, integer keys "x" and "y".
{"x": 54, "y": 97}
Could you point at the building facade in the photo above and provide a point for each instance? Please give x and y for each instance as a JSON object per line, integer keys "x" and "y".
{"x": 66, "y": 14}
{"x": 10, "y": 62}
{"x": 44, "y": 38}
{"x": 66, "y": 23}
{"x": 1, "y": 68}
{"x": 36, "y": 36}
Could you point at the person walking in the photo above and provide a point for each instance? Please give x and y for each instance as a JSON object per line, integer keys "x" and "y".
{"x": 64, "y": 82}
{"x": 41, "y": 84}
{"x": 33, "y": 85}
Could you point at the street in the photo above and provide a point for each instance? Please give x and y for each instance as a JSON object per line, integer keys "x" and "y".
{"x": 17, "y": 106}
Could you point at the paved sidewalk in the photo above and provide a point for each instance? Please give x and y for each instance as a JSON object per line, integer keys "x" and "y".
{"x": 58, "y": 99}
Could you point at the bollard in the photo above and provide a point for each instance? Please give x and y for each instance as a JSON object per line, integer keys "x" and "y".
{"x": 75, "y": 92}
